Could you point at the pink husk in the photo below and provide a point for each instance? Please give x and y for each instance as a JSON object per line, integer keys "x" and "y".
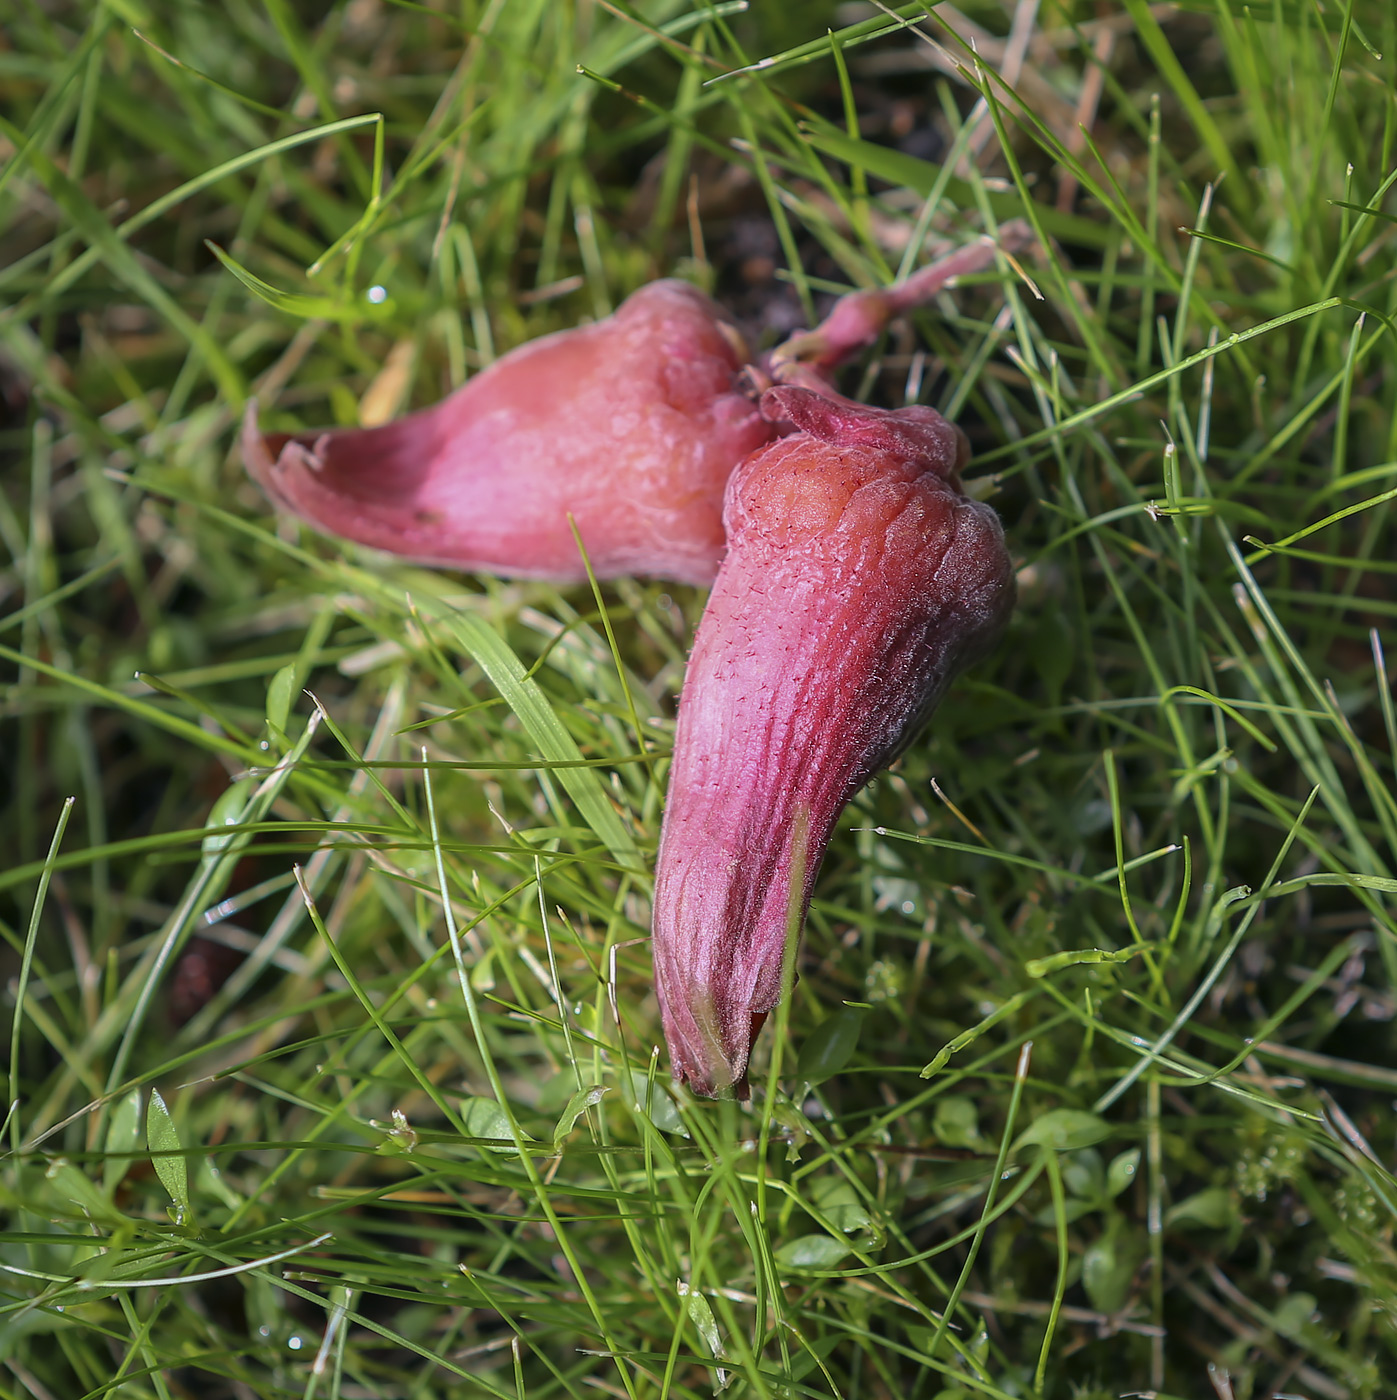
{"x": 859, "y": 580}
{"x": 631, "y": 425}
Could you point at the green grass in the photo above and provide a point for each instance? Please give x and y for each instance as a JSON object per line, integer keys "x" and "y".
{"x": 331, "y": 1069}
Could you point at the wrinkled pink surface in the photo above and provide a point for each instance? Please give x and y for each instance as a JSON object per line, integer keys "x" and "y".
{"x": 631, "y": 424}
{"x": 859, "y": 580}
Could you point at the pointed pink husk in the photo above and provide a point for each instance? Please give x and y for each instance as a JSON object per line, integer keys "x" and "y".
{"x": 859, "y": 580}
{"x": 632, "y": 425}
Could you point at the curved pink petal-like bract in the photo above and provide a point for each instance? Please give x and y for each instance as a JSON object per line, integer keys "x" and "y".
{"x": 631, "y": 425}
{"x": 859, "y": 580}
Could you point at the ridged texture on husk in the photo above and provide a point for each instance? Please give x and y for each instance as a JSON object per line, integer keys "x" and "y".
{"x": 859, "y": 580}
{"x": 632, "y": 425}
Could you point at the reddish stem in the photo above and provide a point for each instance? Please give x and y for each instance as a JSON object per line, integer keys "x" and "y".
{"x": 808, "y": 357}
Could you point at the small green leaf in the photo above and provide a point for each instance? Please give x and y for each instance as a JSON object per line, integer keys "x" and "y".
{"x": 123, "y": 1133}
{"x": 1107, "y": 1270}
{"x": 1084, "y": 1174}
{"x": 401, "y": 1135}
{"x": 956, "y": 1123}
{"x": 71, "y": 1186}
{"x": 852, "y": 1220}
{"x": 1293, "y": 1314}
{"x": 1207, "y": 1210}
{"x": 483, "y": 972}
{"x": 811, "y": 1252}
{"x": 484, "y": 1118}
{"x": 1073, "y": 1210}
{"x": 208, "y": 1181}
{"x": 794, "y": 1125}
{"x": 578, "y": 1104}
{"x": 830, "y": 1046}
{"x": 163, "y": 1142}
{"x": 280, "y": 693}
{"x": 656, "y": 1104}
{"x": 1064, "y": 1130}
{"x": 228, "y": 811}
{"x": 839, "y": 1204}
{"x": 1122, "y": 1171}
{"x": 706, "y": 1325}
{"x": 701, "y": 1315}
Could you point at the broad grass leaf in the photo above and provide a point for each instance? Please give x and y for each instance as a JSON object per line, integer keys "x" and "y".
{"x": 527, "y": 699}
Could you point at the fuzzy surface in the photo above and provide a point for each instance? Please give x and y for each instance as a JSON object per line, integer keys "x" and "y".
{"x": 632, "y": 426}
{"x": 859, "y": 580}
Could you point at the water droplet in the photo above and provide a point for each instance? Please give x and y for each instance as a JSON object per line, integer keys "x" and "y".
{"x": 295, "y": 1343}
{"x": 378, "y": 295}
{"x": 264, "y": 1331}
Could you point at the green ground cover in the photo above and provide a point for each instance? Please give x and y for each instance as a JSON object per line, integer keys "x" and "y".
{"x": 329, "y": 1050}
